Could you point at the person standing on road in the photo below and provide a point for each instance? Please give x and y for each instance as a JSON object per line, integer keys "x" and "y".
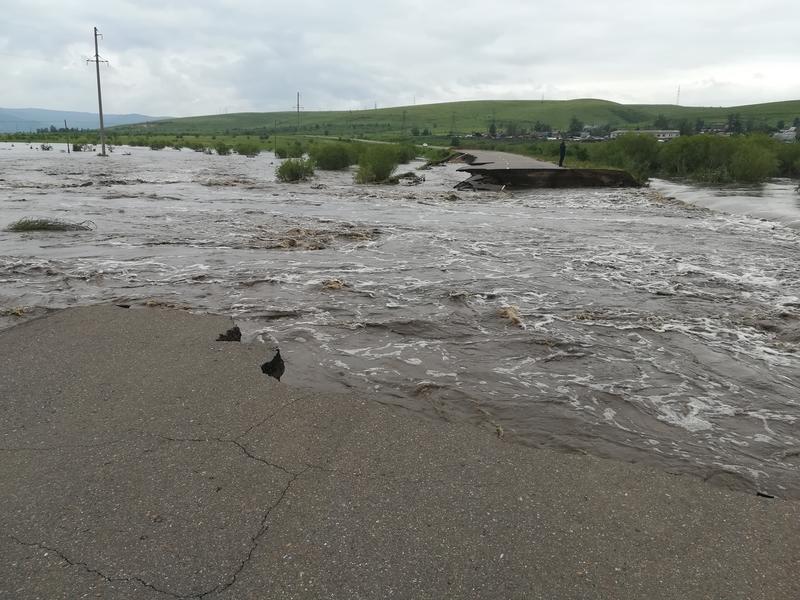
{"x": 562, "y": 152}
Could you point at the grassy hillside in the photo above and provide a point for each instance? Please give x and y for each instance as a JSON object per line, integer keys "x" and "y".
{"x": 467, "y": 117}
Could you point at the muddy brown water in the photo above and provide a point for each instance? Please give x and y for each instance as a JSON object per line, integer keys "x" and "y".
{"x": 605, "y": 321}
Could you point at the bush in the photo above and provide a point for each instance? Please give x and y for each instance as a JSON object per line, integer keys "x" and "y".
{"x": 247, "y": 148}
{"x": 293, "y": 149}
{"x": 714, "y": 159}
{"x": 638, "y": 154}
{"x": 295, "y": 169}
{"x": 788, "y": 160}
{"x": 222, "y": 148}
{"x": 332, "y": 157}
{"x": 48, "y": 224}
{"x": 406, "y": 153}
{"x": 753, "y": 162}
{"x": 377, "y": 163}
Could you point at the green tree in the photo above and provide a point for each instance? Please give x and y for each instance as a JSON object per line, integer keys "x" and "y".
{"x": 685, "y": 127}
{"x": 661, "y": 122}
{"x": 735, "y": 124}
{"x": 493, "y": 129}
{"x": 753, "y": 161}
{"x": 575, "y": 126}
{"x": 541, "y": 126}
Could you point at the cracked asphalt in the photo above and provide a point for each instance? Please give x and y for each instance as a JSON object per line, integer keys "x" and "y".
{"x": 143, "y": 459}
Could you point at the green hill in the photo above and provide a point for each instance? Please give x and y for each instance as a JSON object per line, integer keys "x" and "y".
{"x": 467, "y": 117}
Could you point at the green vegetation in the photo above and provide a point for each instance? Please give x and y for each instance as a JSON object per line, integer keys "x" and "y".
{"x": 438, "y": 123}
{"x": 509, "y": 117}
{"x": 290, "y": 149}
{"x": 333, "y": 140}
{"x": 703, "y": 158}
{"x": 334, "y": 156}
{"x": 47, "y": 224}
{"x": 247, "y": 148}
{"x": 377, "y": 162}
{"x": 222, "y": 148}
{"x": 295, "y": 169}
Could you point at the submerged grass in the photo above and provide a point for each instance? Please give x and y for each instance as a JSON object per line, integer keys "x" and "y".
{"x": 47, "y": 224}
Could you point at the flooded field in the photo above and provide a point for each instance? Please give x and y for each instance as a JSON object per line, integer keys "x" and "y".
{"x": 608, "y": 321}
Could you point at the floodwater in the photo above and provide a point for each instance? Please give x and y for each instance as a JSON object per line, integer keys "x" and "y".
{"x": 641, "y": 328}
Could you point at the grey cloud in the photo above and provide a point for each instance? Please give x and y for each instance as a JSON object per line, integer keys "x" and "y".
{"x": 197, "y": 57}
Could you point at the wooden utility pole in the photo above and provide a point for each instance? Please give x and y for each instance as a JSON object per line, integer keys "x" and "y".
{"x": 96, "y": 60}
{"x": 298, "y": 112}
{"x": 66, "y": 133}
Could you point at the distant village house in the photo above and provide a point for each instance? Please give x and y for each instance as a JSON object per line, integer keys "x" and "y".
{"x": 786, "y": 135}
{"x": 659, "y": 134}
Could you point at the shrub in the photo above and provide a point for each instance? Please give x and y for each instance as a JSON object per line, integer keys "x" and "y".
{"x": 789, "y": 160}
{"x": 377, "y": 164}
{"x": 406, "y": 153}
{"x": 222, "y": 148}
{"x": 247, "y": 148}
{"x": 637, "y": 154}
{"x": 753, "y": 162}
{"x": 295, "y": 169}
{"x": 48, "y": 224}
{"x": 293, "y": 149}
{"x": 581, "y": 153}
{"x": 332, "y": 157}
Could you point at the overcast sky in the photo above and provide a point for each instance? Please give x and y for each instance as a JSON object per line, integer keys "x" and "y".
{"x": 199, "y": 57}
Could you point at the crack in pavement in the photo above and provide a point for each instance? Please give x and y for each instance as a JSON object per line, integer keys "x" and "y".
{"x": 219, "y": 588}
{"x": 242, "y": 447}
{"x": 268, "y": 417}
{"x": 263, "y": 528}
{"x": 255, "y": 539}
{"x": 96, "y": 572}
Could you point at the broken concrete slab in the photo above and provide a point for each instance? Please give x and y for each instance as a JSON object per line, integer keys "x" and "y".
{"x": 495, "y": 171}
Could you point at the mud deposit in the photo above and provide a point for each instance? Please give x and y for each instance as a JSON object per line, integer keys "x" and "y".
{"x": 605, "y": 321}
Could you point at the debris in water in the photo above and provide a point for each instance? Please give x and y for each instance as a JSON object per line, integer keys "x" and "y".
{"x": 163, "y": 304}
{"x": 16, "y": 311}
{"x": 512, "y": 314}
{"x": 334, "y": 284}
{"x": 48, "y": 224}
{"x": 306, "y": 238}
{"x": 426, "y": 387}
{"x": 408, "y": 178}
